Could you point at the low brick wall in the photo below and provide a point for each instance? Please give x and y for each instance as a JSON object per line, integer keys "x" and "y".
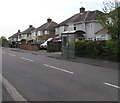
{"x": 29, "y": 47}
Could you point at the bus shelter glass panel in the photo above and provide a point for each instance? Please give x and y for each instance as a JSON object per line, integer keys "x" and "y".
{"x": 68, "y": 45}
{"x": 71, "y": 45}
{"x": 65, "y": 45}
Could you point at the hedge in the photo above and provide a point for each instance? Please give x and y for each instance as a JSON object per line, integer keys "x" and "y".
{"x": 112, "y": 49}
{"x": 103, "y": 49}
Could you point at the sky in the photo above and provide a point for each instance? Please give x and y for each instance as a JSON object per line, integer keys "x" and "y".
{"x": 19, "y": 14}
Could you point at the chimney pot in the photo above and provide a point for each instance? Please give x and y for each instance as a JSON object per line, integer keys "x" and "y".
{"x": 82, "y": 10}
{"x": 30, "y": 26}
{"x": 49, "y": 20}
{"x": 18, "y": 31}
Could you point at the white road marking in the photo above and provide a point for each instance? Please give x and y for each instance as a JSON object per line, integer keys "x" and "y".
{"x": 4, "y": 52}
{"x": 11, "y": 90}
{"x": 12, "y": 55}
{"x": 27, "y": 59}
{"x": 112, "y": 85}
{"x": 58, "y": 69}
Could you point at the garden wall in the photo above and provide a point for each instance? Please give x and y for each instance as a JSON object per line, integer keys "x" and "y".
{"x": 29, "y": 47}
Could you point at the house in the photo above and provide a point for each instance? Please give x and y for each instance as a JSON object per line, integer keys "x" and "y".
{"x": 15, "y": 36}
{"x": 45, "y": 31}
{"x": 85, "y": 21}
{"x": 102, "y": 34}
{"x": 26, "y": 34}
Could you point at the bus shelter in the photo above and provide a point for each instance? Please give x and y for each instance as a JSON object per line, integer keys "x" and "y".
{"x": 68, "y": 42}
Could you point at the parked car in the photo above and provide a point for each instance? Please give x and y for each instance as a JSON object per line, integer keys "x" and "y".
{"x": 44, "y": 45}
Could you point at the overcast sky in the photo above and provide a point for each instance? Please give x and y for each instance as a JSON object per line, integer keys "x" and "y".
{"x": 19, "y": 14}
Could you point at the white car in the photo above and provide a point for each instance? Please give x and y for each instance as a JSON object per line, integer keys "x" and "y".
{"x": 44, "y": 45}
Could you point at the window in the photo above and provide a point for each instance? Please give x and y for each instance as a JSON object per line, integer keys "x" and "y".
{"x": 46, "y": 32}
{"x": 90, "y": 26}
{"x": 98, "y": 38}
{"x": 90, "y": 39}
{"x": 74, "y": 26}
{"x": 65, "y": 28}
{"x": 38, "y": 33}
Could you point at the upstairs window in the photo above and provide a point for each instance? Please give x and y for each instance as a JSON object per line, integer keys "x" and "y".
{"x": 90, "y": 26}
{"x": 38, "y": 33}
{"x": 46, "y": 32}
{"x": 65, "y": 28}
{"x": 74, "y": 26}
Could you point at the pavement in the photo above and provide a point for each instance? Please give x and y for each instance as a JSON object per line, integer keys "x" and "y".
{"x": 6, "y": 96}
{"x": 58, "y": 55}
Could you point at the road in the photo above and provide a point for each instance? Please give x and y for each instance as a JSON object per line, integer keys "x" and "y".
{"x": 40, "y": 78}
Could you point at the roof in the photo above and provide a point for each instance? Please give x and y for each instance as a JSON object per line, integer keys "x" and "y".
{"x": 47, "y": 26}
{"x": 84, "y": 17}
{"x": 28, "y": 31}
{"x": 15, "y": 35}
{"x": 102, "y": 30}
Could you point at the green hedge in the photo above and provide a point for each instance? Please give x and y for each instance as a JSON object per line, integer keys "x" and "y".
{"x": 80, "y": 48}
{"x": 23, "y": 41}
{"x": 112, "y": 49}
{"x": 103, "y": 49}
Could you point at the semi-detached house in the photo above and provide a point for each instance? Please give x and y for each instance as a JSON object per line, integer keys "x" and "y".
{"x": 26, "y": 34}
{"x": 85, "y": 21}
{"x": 45, "y": 31}
{"x": 15, "y": 36}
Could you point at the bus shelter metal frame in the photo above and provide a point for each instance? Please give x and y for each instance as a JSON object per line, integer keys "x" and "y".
{"x": 68, "y": 42}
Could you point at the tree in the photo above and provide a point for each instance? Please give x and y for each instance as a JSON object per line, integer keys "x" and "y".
{"x": 3, "y": 41}
{"x": 111, "y": 19}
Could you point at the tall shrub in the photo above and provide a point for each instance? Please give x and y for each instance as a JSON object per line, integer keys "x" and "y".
{"x": 99, "y": 47}
{"x": 80, "y": 48}
{"x": 112, "y": 49}
{"x": 90, "y": 49}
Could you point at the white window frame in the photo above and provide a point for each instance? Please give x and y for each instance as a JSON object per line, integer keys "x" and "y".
{"x": 46, "y": 32}
{"x": 90, "y": 26}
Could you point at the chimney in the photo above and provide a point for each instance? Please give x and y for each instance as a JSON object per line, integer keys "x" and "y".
{"x": 49, "y": 20}
{"x": 30, "y": 26}
{"x": 18, "y": 31}
{"x": 82, "y": 10}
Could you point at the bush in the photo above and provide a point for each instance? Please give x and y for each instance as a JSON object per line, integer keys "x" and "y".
{"x": 23, "y": 41}
{"x": 80, "y": 48}
{"x": 112, "y": 49}
{"x": 98, "y": 45}
{"x": 99, "y": 49}
{"x": 89, "y": 50}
